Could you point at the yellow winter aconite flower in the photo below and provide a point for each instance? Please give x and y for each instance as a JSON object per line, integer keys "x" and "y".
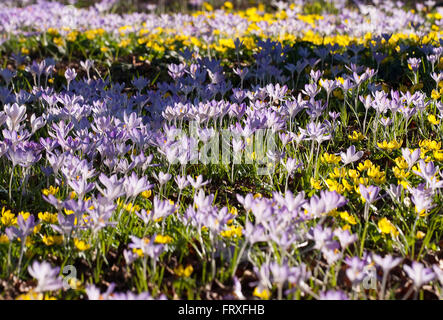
{"x": 386, "y": 227}
{"x": 207, "y": 6}
{"x": 128, "y": 207}
{"x": 52, "y": 240}
{"x": 81, "y": 245}
{"x": 124, "y": 43}
{"x": 233, "y": 231}
{"x": 338, "y": 173}
{"x": 316, "y": 184}
{"x": 347, "y": 217}
{"x": 163, "y": 239}
{"x": 146, "y": 194}
{"x": 330, "y": 158}
{"x": 376, "y": 175}
{"x": 438, "y": 155}
{"x": 8, "y": 218}
{"x": 48, "y": 217}
{"x": 228, "y": 5}
{"x": 356, "y": 136}
{"x": 347, "y": 185}
{"x": 31, "y": 295}
{"x": 37, "y": 228}
{"x": 365, "y": 165}
{"x": 75, "y": 284}
{"x": 404, "y": 183}
{"x": 389, "y": 146}
{"x": 91, "y": 34}
{"x": 233, "y": 211}
{"x": 51, "y": 190}
{"x": 420, "y": 235}
{"x": 400, "y": 174}
{"x": 263, "y": 294}
{"x": 138, "y": 252}
{"x": 184, "y": 272}
{"x": 435, "y": 94}
{"x": 422, "y": 213}
{"x": 72, "y": 36}
{"x": 52, "y": 31}
{"x": 353, "y": 174}
{"x": 58, "y": 41}
{"x": 430, "y": 145}
{"x": 362, "y": 180}
{"x": 432, "y": 119}
{"x": 4, "y": 239}
{"x": 25, "y": 215}
{"x": 401, "y": 163}
{"x": 334, "y": 185}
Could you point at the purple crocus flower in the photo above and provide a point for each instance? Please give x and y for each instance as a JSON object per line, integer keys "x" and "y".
{"x": 414, "y": 63}
{"x": 70, "y": 75}
{"x": 47, "y": 277}
{"x": 66, "y": 224}
{"x": 427, "y": 170}
{"x": 162, "y": 177}
{"x": 345, "y": 237}
{"x": 321, "y": 236}
{"x": 350, "y": 155}
{"x": 387, "y": 263}
{"x": 419, "y": 274}
{"x": 370, "y": 193}
{"x": 333, "y": 295}
{"x": 355, "y": 271}
{"x": 181, "y": 182}
{"x": 25, "y": 228}
{"x": 94, "y": 293}
{"x": 25, "y": 154}
{"x": 15, "y": 114}
{"x": 198, "y": 182}
{"x": 134, "y": 296}
{"x": 410, "y": 157}
{"x": 114, "y": 187}
{"x": 162, "y": 209}
{"x": 332, "y": 200}
{"x": 147, "y": 246}
{"x": 133, "y": 185}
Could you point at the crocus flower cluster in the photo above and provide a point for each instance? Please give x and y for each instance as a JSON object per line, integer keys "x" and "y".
{"x": 267, "y": 148}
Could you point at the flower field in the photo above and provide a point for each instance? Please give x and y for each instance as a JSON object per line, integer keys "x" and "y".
{"x": 283, "y": 150}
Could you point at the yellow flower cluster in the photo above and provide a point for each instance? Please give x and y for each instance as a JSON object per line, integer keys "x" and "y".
{"x": 386, "y": 227}
{"x": 390, "y": 146}
{"x": 52, "y": 240}
{"x": 184, "y": 272}
{"x": 344, "y": 180}
{"x": 232, "y": 232}
{"x": 81, "y": 245}
{"x": 50, "y": 191}
{"x": 163, "y": 239}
